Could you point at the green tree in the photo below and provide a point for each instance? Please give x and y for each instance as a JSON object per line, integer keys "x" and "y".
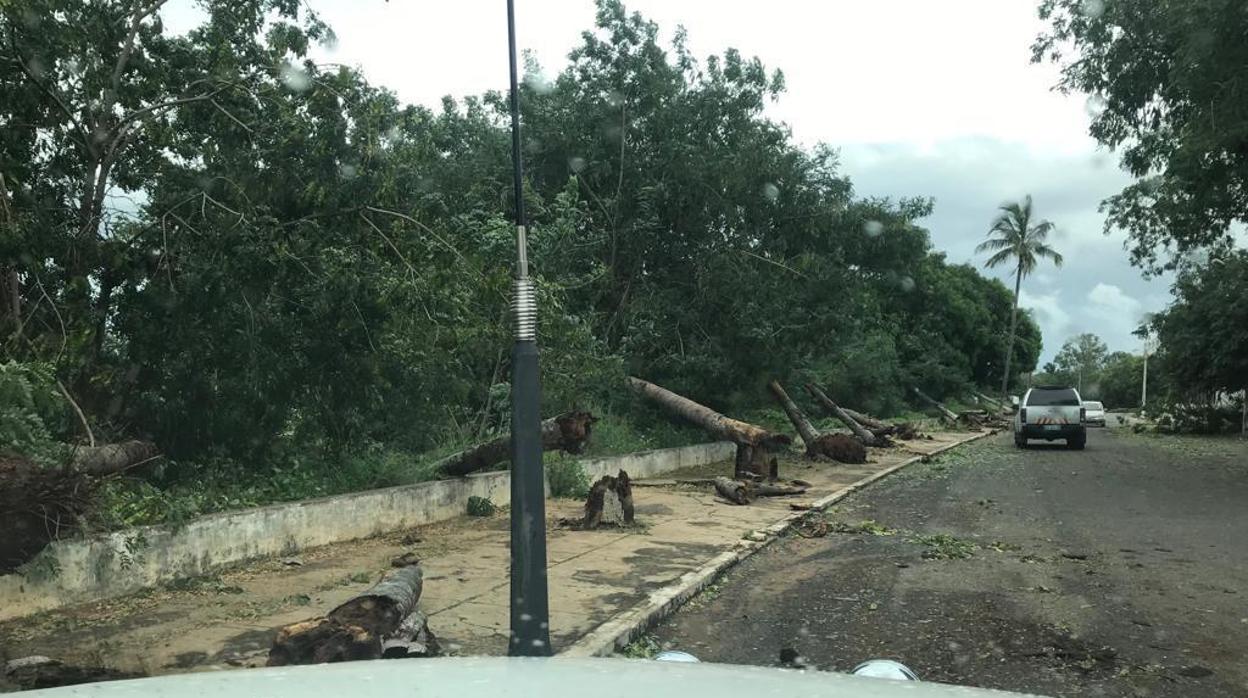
{"x": 1120, "y": 380}
{"x": 1203, "y": 334}
{"x": 1016, "y": 239}
{"x": 1165, "y": 84}
{"x": 1081, "y": 358}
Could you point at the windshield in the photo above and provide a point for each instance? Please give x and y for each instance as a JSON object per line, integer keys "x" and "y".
{"x": 335, "y": 330}
{"x": 1061, "y": 397}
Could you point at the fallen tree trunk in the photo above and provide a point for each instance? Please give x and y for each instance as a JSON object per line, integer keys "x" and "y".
{"x": 901, "y": 430}
{"x": 610, "y": 501}
{"x": 762, "y": 489}
{"x": 754, "y": 443}
{"x": 354, "y": 630}
{"x": 412, "y": 639}
{"x": 110, "y": 459}
{"x": 567, "y": 432}
{"x": 867, "y": 420}
{"x": 867, "y": 438}
{"x": 945, "y": 412}
{"x": 804, "y": 428}
{"x": 732, "y": 490}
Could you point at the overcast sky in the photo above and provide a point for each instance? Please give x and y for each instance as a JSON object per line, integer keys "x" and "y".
{"x": 922, "y": 97}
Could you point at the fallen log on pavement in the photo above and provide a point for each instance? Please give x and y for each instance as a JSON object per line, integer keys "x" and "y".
{"x": 754, "y": 443}
{"x": 762, "y": 489}
{"x": 357, "y": 629}
{"x": 901, "y": 430}
{"x": 867, "y": 438}
{"x": 732, "y": 490}
{"x": 610, "y": 502}
{"x": 412, "y": 639}
{"x": 567, "y": 432}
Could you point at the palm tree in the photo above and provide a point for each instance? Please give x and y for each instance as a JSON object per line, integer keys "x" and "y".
{"x": 1014, "y": 237}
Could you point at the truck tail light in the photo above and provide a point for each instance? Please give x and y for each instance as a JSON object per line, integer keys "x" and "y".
{"x": 1083, "y": 415}
{"x": 1022, "y": 415}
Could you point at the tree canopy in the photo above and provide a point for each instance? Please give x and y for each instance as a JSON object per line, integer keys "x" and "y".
{"x": 224, "y": 246}
{"x": 1166, "y": 89}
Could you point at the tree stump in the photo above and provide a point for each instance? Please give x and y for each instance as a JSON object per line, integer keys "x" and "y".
{"x": 610, "y": 502}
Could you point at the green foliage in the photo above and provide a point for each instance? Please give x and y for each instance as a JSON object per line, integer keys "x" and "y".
{"x": 942, "y": 546}
{"x": 1159, "y": 76}
{"x": 566, "y": 477}
{"x": 1204, "y": 333}
{"x": 481, "y": 506}
{"x": 644, "y": 647}
{"x": 1119, "y": 382}
{"x": 30, "y": 410}
{"x": 1188, "y": 418}
{"x": 314, "y": 289}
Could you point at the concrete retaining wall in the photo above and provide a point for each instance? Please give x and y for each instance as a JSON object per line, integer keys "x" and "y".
{"x": 79, "y": 570}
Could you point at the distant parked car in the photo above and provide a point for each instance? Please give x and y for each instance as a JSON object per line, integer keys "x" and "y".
{"x": 1051, "y": 412}
{"x": 1093, "y": 413}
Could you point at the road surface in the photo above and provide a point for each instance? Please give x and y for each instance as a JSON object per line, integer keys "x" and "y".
{"x": 1120, "y": 570}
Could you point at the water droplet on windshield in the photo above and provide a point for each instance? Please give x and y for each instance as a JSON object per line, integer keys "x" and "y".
{"x": 576, "y": 164}
{"x": 73, "y": 66}
{"x": 347, "y": 171}
{"x": 295, "y": 78}
{"x": 330, "y": 42}
{"x": 538, "y": 643}
{"x": 615, "y": 98}
{"x": 771, "y": 191}
{"x": 525, "y": 617}
{"x": 873, "y": 228}
{"x": 538, "y": 83}
{"x": 1095, "y": 106}
{"x": 1092, "y": 8}
{"x": 906, "y": 283}
{"x": 36, "y": 67}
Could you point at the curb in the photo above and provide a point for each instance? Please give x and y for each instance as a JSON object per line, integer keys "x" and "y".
{"x": 626, "y": 626}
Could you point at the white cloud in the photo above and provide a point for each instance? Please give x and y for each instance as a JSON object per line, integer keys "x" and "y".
{"x": 1112, "y": 301}
{"x": 1050, "y": 314}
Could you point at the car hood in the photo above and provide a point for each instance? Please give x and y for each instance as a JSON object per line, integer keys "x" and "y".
{"x": 499, "y": 677}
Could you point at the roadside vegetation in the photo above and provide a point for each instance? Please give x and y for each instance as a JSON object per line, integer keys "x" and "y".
{"x": 294, "y": 285}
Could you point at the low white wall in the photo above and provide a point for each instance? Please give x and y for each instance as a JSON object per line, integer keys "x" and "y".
{"x": 126, "y": 561}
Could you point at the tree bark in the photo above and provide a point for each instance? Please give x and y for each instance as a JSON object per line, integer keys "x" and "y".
{"x": 945, "y": 412}
{"x": 717, "y": 424}
{"x": 867, "y": 420}
{"x": 597, "y": 504}
{"x": 354, "y": 630}
{"x": 568, "y": 432}
{"x": 1009, "y": 348}
{"x": 754, "y": 443}
{"x": 762, "y": 489}
{"x": 804, "y": 428}
{"x": 110, "y": 459}
{"x": 732, "y": 490}
{"x": 412, "y": 639}
{"x": 866, "y": 437}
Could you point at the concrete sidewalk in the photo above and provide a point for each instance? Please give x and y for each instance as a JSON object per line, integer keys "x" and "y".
{"x": 602, "y": 583}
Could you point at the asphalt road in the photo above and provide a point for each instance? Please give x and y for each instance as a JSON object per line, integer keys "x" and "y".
{"x": 1120, "y": 570}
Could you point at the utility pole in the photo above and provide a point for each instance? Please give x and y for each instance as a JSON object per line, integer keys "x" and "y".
{"x": 530, "y": 611}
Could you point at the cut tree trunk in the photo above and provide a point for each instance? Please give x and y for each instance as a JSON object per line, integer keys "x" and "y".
{"x": 568, "y": 433}
{"x": 354, "y": 630}
{"x": 866, "y": 437}
{"x": 867, "y": 420}
{"x": 412, "y": 639}
{"x": 945, "y": 412}
{"x": 754, "y": 443}
{"x": 110, "y": 459}
{"x": 762, "y": 489}
{"x": 804, "y": 428}
{"x": 610, "y": 502}
{"x": 732, "y": 490}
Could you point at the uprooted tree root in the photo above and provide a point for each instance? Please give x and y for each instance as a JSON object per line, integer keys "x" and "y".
{"x": 840, "y": 448}
{"x": 37, "y": 506}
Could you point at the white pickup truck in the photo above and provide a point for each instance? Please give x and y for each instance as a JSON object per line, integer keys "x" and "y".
{"x": 1051, "y": 413}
